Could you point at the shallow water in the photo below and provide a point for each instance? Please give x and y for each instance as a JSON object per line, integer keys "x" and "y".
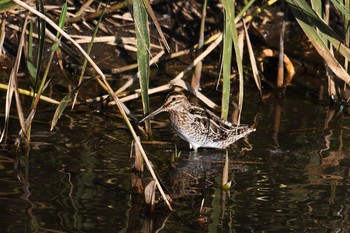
{"x": 291, "y": 175}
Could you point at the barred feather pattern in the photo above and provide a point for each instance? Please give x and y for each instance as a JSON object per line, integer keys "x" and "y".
{"x": 199, "y": 126}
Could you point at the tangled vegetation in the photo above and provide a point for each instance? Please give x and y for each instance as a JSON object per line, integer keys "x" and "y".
{"x": 39, "y": 39}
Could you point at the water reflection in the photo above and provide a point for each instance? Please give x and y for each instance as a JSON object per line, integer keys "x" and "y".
{"x": 292, "y": 174}
{"x": 330, "y": 154}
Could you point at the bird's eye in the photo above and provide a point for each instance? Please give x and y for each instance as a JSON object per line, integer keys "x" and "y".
{"x": 173, "y": 99}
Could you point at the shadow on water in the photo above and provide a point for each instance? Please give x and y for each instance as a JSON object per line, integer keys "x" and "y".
{"x": 291, "y": 175}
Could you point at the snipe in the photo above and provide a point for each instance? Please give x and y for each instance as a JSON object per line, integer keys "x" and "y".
{"x": 199, "y": 126}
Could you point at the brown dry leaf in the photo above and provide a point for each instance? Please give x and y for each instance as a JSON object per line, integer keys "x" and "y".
{"x": 150, "y": 193}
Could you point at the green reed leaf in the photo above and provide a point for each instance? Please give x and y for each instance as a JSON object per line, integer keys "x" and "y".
{"x": 229, "y": 7}
{"x": 339, "y": 5}
{"x": 62, "y": 106}
{"x": 226, "y": 67}
{"x": 302, "y": 13}
{"x": 143, "y": 55}
{"x": 88, "y": 52}
{"x": 61, "y": 22}
{"x": 63, "y": 17}
{"x": 310, "y": 20}
{"x": 41, "y": 25}
{"x": 29, "y": 59}
{"x": 6, "y": 5}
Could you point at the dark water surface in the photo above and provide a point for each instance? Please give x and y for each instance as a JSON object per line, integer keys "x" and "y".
{"x": 291, "y": 175}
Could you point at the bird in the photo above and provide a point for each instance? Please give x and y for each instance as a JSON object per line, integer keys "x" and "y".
{"x": 199, "y": 126}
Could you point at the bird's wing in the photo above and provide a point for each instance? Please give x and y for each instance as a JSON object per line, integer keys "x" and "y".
{"x": 216, "y": 128}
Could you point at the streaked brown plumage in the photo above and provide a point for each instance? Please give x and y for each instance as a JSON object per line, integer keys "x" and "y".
{"x": 199, "y": 126}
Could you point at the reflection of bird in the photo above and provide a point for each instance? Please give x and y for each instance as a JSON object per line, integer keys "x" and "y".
{"x": 199, "y": 126}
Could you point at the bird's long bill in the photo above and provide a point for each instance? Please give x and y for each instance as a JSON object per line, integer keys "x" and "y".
{"x": 159, "y": 110}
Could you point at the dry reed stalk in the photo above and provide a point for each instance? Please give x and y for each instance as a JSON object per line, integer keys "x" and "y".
{"x": 280, "y": 70}
{"x": 177, "y": 81}
{"x": 196, "y": 77}
{"x": 13, "y": 88}
{"x": 110, "y": 90}
{"x": 253, "y": 64}
{"x": 111, "y": 9}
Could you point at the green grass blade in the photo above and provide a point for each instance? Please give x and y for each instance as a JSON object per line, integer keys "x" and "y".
{"x": 244, "y": 9}
{"x": 229, "y": 7}
{"x": 317, "y": 41}
{"x": 143, "y": 56}
{"x": 41, "y": 41}
{"x": 54, "y": 47}
{"x": 29, "y": 59}
{"x": 43, "y": 83}
{"x": 317, "y": 5}
{"x": 346, "y": 32}
{"x": 61, "y": 22}
{"x": 226, "y": 67}
{"x": 63, "y": 17}
{"x": 62, "y": 106}
{"x": 110, "y": 91}
{"x": 88, "y": 52}
{"x": 342, "y": 8}
{"x": 304, "y": 14}
{"x": 6, "y": 5}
